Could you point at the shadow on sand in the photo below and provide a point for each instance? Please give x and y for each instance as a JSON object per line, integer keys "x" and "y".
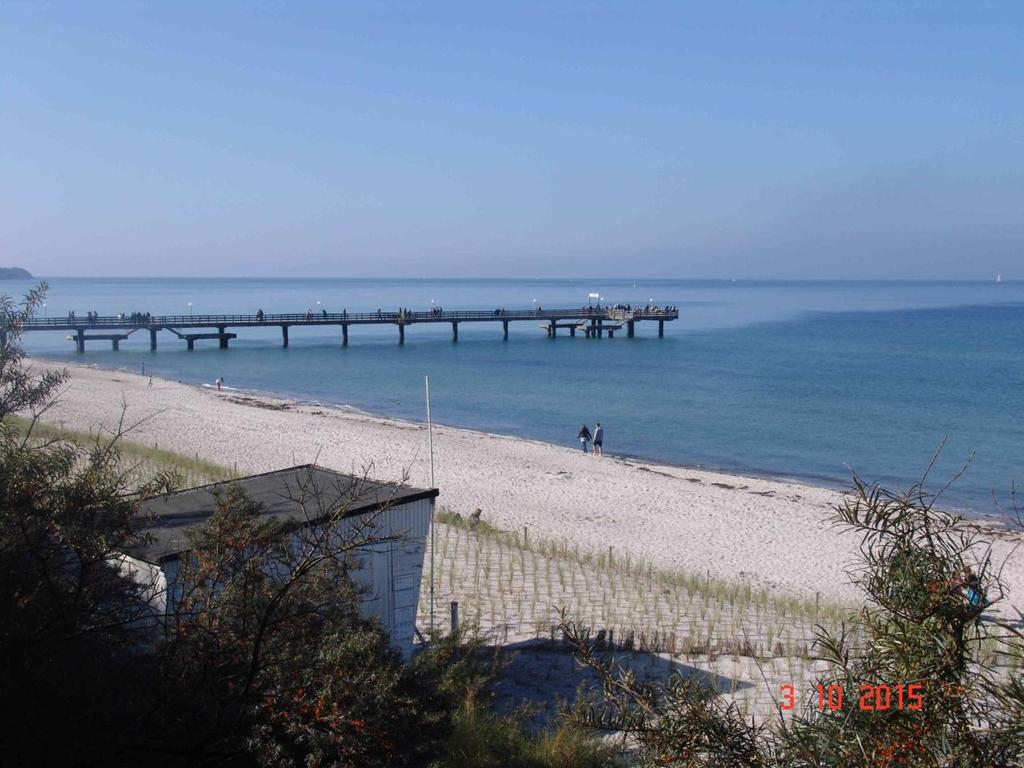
{"x": 540, "y": 675}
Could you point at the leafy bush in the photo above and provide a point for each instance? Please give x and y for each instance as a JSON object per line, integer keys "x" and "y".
{"x": 483, "y": 739}
{"x": 925, "y": 626}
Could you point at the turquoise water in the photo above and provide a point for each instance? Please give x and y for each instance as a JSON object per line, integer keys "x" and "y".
{"x": 803, "y": 380}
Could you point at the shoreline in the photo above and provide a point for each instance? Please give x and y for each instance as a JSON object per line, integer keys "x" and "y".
{"x": 770, "y": 532}
{"x": 828, "y": 483}
{"x": 293, "y": 399}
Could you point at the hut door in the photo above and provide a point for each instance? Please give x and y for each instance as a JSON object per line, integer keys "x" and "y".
{"x": 382, "y": 585}
{"x": 407, "y": 561}
{"x": 373, "y": 574}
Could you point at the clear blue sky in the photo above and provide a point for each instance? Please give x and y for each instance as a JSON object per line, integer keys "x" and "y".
{"x": 714, "y": 139}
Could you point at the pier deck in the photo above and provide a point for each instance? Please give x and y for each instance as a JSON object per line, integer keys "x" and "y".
{"x": 592, "y": 322}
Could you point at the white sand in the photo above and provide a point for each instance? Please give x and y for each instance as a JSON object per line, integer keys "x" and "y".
{"x": 772, "y": 533}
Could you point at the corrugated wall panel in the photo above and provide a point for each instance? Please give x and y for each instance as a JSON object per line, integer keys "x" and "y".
{"x": 392, "y": 570}
{"x": 397, "y": 610}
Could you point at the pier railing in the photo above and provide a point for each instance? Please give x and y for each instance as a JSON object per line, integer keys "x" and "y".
{"x": 336, "y": 318}
{"x": 591, "y": 321}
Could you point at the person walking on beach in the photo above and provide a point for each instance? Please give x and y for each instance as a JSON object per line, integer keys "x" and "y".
{"x": 219, "y": 382}
{"x": 584, "y": 437}
{"x": 599, "y": 439}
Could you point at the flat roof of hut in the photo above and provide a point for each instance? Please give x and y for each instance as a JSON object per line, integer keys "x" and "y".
{"x": 303, "y": 495}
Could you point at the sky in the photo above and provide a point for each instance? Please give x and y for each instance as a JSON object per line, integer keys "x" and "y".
{"x": 734, "y": 140}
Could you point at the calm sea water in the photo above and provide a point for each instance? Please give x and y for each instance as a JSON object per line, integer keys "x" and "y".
{"x": 803, "y": 380}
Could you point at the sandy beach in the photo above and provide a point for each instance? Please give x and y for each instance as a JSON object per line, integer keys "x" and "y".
{"x": 771, "y": 533}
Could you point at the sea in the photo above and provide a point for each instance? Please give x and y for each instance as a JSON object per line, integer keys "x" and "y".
{"x": 812, "y": 381}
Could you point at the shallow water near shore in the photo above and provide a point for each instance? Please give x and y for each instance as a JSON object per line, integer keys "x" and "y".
{"x": 803, "y": 380}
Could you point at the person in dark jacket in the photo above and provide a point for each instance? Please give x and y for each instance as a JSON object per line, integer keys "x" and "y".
{"x": 584, "y": 436}
{"x": 599, "y": 439}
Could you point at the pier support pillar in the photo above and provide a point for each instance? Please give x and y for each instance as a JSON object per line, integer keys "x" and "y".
{"x": 629, "y": 329}
{"x": 152, "y": 339}
{"x": 611, "y": 333}
{"x": 115, "y": 344}
{"x": 191, "y": 344}
{"x": 661, "y": 329}
{"x": 504, "y": 330}
{"x": 80, "y": 339}
{"x": 284, "y": 335}
{"x": 401, "y": 333}
{"x": 344, "y": 334}
{"x": 572, "y": 331}
{"x": 455, "y": 331}
{"x": 223, "y": 340}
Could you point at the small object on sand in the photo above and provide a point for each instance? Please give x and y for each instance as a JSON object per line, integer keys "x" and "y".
{"x": 475, "y": 517}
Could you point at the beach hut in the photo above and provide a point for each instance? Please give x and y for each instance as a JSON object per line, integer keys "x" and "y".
{"x": 393, "y": 521}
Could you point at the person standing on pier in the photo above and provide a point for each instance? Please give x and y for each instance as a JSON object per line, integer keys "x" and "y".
{"x": 584, "y": 437}
{"x": 598, "y": 439}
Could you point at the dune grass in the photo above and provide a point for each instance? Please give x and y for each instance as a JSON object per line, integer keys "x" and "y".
{"x": 623, "y": 572}
{"x": 139, "y": 460}
{"x": 512, "y": 587}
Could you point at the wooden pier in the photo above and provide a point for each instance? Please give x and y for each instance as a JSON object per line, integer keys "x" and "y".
{"x": 591, "y": 322}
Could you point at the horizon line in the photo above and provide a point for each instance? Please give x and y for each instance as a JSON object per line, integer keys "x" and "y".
{"x": 418, "y": 278}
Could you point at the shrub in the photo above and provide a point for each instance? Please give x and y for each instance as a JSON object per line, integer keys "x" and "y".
{"x": 924, "y": 625}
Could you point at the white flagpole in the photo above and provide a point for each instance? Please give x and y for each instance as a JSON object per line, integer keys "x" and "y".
{"x": 433, "y": 539}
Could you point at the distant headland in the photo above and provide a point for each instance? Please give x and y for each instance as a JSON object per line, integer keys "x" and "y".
{"x": 14, "y": 273}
